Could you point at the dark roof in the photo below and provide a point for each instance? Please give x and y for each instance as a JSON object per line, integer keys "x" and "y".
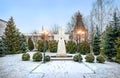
{"x": 3, "y": 20}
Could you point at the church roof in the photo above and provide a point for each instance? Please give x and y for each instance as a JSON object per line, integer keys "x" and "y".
{"x": 79, "y": 22}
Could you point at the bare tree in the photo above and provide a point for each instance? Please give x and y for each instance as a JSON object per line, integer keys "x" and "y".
{"x": 55, "y": 29}
{"x": 99, "y": 16}
{"x": 102, "y": 10}
{"x": 91, "y": 32}
{"x": 89, "y": 23}
{"x": 71, "y": 24}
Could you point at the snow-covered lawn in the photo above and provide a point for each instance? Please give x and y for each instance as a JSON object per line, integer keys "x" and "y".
{"x": 11, "y": 66}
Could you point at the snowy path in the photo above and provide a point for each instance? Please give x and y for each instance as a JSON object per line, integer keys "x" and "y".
{"x": 11, "y": 66}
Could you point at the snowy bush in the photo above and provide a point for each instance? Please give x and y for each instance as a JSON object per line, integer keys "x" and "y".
{"x": 25, "y": 57}
{"x": 52, "y": 46}
{"x": 76, "y": 57}
{"x": 89, "y": 57}
{"x": 71, "y": 47}
{"x": 84, "y": 47}
{"x": 37, "y": 56}
{"x": 100, "y": 59}
{"x": 47, "y": 58}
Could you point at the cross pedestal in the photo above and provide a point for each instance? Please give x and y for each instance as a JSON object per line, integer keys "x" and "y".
{"x": 61, "y": 37}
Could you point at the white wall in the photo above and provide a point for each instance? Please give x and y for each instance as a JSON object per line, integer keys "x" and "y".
{"x": 2, "y": 27}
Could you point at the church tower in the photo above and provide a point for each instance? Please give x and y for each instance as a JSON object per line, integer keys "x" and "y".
{"x": 79, "y": 25}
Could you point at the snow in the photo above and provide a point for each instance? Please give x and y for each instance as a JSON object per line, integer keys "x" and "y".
{"x": 11, "y": 66}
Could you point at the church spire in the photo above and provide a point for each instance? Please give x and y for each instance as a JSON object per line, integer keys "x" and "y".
{"x": 79, "y": 21}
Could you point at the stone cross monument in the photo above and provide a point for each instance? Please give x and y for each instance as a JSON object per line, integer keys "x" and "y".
{"x": 61, "y": 49}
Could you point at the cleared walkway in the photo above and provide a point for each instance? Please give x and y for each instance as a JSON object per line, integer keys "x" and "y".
{"x": 11, "y": 66}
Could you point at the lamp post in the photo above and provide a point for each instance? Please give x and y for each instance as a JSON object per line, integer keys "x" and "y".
{"x": 79, "y": 33}
{"x": 44, "y": 35}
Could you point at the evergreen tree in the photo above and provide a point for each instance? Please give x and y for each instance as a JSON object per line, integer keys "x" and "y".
{"x": 111, "y": 34}
{"x": 52, "y": 45}
{"x": 71, "y": 47}
{"x": 11, "y": 38}
{"x": 30, "y": 44}
{"x": 96, "y": 43}
{"x": 109, "y": 42}
{"x": 43, "y": 44}
{"x": 40, "y": 45}
{"x": 23, "y": 43}
{"x": 84, "y": 47}
{"x": 2, "y": 48}
{"x": 118, "y": 50}
{"x": 116, "y": 26}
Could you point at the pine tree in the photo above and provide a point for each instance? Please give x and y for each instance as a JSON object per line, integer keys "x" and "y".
{"x": 30, "y": 44}
{"x": 23, "y": 43}
{"x": 116, "y": 26}
{"x": 112, "y": 32}
{"x": 11, "y": 38}
{"x": 109, "y": 42}
{"x": 2, "y": 48}
{"x": 96, "y": 43}
{"x": 118, "y": 49}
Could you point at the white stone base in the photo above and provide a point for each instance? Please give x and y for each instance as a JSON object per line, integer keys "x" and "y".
{"x": 61, "y": 54}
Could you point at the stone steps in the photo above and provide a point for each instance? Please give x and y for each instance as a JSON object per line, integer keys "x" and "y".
{"x": 61, "y": 58}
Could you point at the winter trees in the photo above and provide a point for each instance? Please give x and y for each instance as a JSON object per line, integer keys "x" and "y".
{"x": 11, "y": 38}
{"x": 111, "y": 34}
{"x": 109, "y": 42}
{"x": 96, "y": 44}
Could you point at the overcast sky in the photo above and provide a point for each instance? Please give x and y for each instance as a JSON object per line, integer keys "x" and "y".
{"x": 30, "y": 15}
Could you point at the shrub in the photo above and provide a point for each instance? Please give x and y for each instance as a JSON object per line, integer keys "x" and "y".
{"x": 52, "y": 45}
{"x": 30, "y": 44}
{"x": 25, "y": 57}
{"x": 84, "y": 47}
{"x": 40, "y": 45}
{"x": 89, "y": 58}
{"x": 71, "y": 47}
{"x": 47, "y": 58}
{"x": 76, "y": 57}
{"x": 117, "y": 60}
{"x": 37, "y": 56}
{"x": 100, "y": 59}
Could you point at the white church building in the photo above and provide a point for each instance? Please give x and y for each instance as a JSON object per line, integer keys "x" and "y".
{"x": 2, "y": 26}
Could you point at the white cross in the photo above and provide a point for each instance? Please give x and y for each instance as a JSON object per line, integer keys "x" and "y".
{"x": 61, "y": 35}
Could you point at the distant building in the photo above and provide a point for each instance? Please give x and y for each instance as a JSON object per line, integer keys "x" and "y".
{"x": 2, "y": 26}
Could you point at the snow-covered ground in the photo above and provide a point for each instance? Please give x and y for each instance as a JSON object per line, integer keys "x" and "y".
{"x": 11, "y": 66}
